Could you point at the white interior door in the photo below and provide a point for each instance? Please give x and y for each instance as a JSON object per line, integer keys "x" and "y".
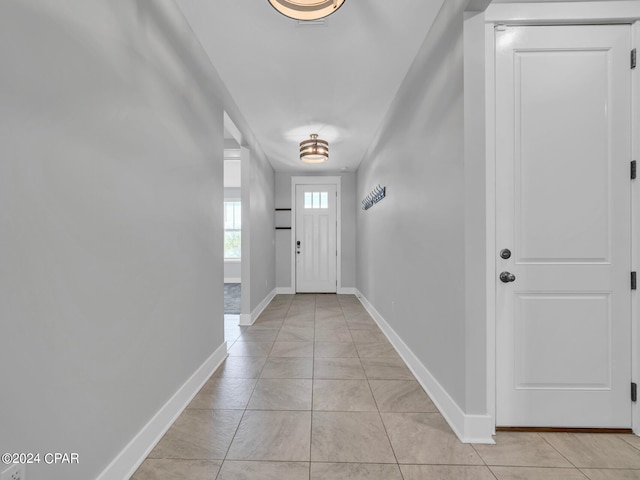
{"x": 316, "y": 241}
{"x": 563, "y": 149}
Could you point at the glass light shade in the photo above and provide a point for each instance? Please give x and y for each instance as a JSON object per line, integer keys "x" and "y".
{"x": 306, "y": 9}
{"x": 314, "y": 150}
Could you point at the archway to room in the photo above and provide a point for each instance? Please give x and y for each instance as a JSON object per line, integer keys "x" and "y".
{"x": 234, "y": 280}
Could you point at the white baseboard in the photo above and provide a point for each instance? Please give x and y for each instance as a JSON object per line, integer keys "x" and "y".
{"x": 347, "y": 291}
{"x": 340, "y": 291}
{"x": 468, "y": 428}
{"x": 247, "y": 320}
{"x": 232, "y": 280}
{"x": 285, "y": 291}
{"x": 131, "y": 457}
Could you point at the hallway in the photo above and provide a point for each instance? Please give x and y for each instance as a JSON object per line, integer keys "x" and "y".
{"x": 313, "y": 390}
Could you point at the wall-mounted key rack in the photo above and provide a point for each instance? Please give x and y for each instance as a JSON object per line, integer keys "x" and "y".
{"x": 374, "y": 197}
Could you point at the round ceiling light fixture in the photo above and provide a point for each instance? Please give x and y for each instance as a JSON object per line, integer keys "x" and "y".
{"x": 314, "y": 150}
{"x": 306, "y": 9}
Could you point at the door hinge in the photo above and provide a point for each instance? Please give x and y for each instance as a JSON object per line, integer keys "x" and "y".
{"x": 633, "y": 169}
{"x": 634, "y": 392}
{"x": 633, "y": 58}
{"x": 633, "y": 280}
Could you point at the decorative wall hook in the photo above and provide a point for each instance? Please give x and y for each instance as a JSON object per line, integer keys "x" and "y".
{"x": 374, "y": 197}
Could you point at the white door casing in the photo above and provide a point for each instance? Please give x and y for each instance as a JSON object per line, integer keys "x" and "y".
{"x": 316, "y": 238}
{"x": 563, "y": 209}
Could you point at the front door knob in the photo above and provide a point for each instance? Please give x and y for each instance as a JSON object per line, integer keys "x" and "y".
{"x": 506, "y": 277}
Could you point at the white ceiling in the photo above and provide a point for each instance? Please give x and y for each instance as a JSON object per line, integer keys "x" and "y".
{"x": 290, "y": 80}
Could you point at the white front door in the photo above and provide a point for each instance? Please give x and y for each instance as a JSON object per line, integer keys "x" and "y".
{"x": 563, "y": 149}
{"x": 316, "y": 241}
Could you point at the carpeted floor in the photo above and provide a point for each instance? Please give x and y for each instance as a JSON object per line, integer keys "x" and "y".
{"x": 232, "y": 298}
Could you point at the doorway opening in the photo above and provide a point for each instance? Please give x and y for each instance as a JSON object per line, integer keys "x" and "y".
{"x": 234, "y": 280}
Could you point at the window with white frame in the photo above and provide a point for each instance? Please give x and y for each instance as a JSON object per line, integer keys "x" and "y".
{"x": 316, "y": 199}
{"x": 232, "y": 230}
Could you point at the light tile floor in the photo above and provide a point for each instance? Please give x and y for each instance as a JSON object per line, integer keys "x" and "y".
{"x": 314, "y": 391}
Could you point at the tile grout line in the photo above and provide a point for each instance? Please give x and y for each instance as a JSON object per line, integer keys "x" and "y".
{"x": 486, "y": 465}
{"x": 243, "y": 414}
{"x": 384, "y": 426}
{"x": 258, "y": 378}
{"x": 559, "y": 452}
{"x": 313, "y": 379}
{"x": 571, "y": 466}
{"x": 622, "y": 437}
{"x": 244, "y": 411}
{"x": 377, "y": 407}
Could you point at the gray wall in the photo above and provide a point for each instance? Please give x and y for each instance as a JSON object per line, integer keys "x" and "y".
{"x": 348, "y": 239}
{"x": 283, "y": 237}
{"x": 262, "y": 261}
{"x": 111, "y": 121}
{"x": 411, "y": 245}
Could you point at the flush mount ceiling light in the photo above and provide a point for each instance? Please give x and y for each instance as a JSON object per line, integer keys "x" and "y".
{"x": 306, "y": 9}
{"x": 314, "y": 150}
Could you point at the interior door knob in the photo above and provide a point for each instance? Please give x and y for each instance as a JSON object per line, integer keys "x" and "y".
{"x": 506, "y": 277}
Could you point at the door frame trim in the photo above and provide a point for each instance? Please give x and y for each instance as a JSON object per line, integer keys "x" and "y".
{"x": 317, "y": 180}
{"x": 567, "y": 13}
